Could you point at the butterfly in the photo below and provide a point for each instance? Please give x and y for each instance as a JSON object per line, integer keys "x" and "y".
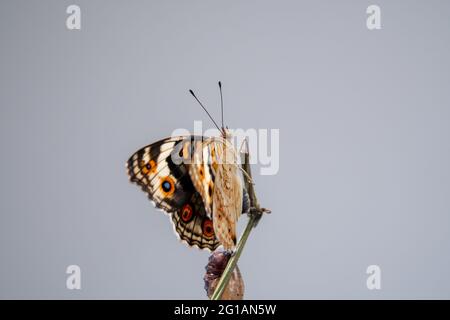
{"x": 196, "y": 180}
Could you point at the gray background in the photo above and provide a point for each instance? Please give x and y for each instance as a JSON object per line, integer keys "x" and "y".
{"x": 364, "y": 153}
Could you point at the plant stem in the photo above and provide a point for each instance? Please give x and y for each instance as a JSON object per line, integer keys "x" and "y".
{"x": 233, "y": 260}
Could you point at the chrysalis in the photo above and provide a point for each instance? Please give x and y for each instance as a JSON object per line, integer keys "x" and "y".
{"x": 214, "y": 269}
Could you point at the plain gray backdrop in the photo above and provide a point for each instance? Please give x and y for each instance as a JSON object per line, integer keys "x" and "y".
{"x": 364, "y": 143}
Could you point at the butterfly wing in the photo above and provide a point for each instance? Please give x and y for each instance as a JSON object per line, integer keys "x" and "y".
{"x": 160, "y": 172}
{"x": 193, "y": 226}
{"x": 227, "y": 195}
{"x": 215, "y": 176}
{"x": 153, "y": 170}
{"x": 201, "y": 171}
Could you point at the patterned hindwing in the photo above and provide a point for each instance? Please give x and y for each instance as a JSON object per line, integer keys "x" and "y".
{"x": 166, "y": 182}
{"x": 193, "y": 226}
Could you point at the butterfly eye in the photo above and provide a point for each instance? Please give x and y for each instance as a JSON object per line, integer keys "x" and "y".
{"x": 186, "y": 213}
{"x": 208, "y": 229}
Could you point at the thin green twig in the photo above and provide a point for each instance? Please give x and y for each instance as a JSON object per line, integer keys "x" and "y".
{"x": 233, "y": 260}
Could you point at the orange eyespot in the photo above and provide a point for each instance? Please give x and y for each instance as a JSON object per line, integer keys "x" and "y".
{"x": 152, "y": 166}
{"x": 186, "y": 213}
{"x": 208, "y": 229}
{"x": 148, "y": 167}
{"x": 167, "y": 186}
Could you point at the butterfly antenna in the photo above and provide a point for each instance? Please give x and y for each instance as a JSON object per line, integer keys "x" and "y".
{"x": 193, "y": 94}
{"x": 221, "y": 101}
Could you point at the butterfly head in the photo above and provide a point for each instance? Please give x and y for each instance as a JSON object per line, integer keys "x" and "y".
{"x": 226, "y": 133}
